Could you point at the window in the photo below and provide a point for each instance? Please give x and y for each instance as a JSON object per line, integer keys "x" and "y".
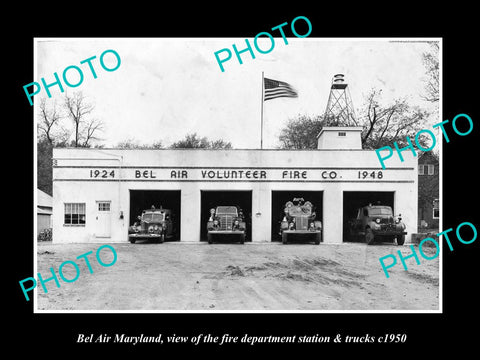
{"x": 155, "y": 217}
{"x": 342, "y": 133}
{"x": 436, "y": 209}
{"x": 426, "y": 169}
{"x": 104, "y": 206}
{"x": 431, "y": 169}
{"x": 380, "y": 211}
{"x": 74, "y": 214}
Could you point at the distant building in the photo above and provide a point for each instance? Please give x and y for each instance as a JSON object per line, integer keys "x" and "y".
{"x": 428, "y": 190}
{"x": 44, "y": 211}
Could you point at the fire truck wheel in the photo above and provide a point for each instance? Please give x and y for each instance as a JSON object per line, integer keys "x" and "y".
{"x": 132, "y": 241}
{"x": 317, "y": 239}
{"x": 284, "y": 238}
{"x": 400, "y": 239}
{"x": 242, "y": 239}
{"x": 209, "y": 238}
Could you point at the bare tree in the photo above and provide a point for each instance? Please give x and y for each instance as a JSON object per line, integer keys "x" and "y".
{"x": 385, "y": 124}
{"x": 85, "y": 129}
{"x": 49, "y": 121}
{"x": 91, "y": 127}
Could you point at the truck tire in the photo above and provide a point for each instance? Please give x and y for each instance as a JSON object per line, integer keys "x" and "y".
{"x": 132, "y": 241}
{"x": 284, "y": 238}
{"x": 317, "y": 238}
{"x": 369, "y": 236}
{"x": 162, "y": 238}
{"x": 242, "y": 239}
{"x": 209, "y": 238}
{"x": 400, "y": 239}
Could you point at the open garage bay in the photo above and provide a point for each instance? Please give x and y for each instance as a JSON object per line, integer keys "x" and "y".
{"x": 213, "y": 198}
{"x": 279, "y": 198}
{"x": 144, "y": 199}
{"x": 353, "y": 200}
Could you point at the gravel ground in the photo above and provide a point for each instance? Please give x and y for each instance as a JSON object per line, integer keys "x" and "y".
{"x": 270, "y": 276}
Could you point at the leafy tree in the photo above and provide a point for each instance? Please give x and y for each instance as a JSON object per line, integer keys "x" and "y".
{"x": 431, "y": 63}
{"x": 219, "y": 144}
{"x": 301, "y": 132}
{"x": 157, "y": 145}
{"x": 193, "y": 141}
{"x": 44, "y": 165}
{"x": 382, "y": 125}
{"x": 132, "y": 143}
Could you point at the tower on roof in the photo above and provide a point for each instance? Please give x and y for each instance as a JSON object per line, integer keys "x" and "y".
{"x": 339, "y": 111}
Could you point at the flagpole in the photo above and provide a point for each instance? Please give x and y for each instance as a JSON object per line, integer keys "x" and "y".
{"x": 261, "y": 119}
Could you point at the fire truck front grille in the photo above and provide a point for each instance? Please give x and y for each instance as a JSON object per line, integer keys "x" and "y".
{"x": 301, "y": 223}
{"x": 226, "y": 222}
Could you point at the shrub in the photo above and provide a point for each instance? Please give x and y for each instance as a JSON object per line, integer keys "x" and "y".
{"x": 45, "y": 235}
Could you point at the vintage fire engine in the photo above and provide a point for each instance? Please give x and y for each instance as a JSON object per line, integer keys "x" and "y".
{"x": 153, "y": 224}
{"x": 377, "y": 223}
{"x": 226, "y": 221}
{"x": 299, "y": 221}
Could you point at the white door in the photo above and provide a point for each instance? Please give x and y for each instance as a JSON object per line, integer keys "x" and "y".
{"x": 103, "y": 219}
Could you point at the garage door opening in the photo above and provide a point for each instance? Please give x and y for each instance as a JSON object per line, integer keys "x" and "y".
{"x": 212, "y": 199}
{"x": 353, "y": 200}
{"x": 168, "y": 199}
{"x": 279, "y": 198}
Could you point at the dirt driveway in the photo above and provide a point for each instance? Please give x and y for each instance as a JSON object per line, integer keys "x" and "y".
{"x": 198, "y": 276}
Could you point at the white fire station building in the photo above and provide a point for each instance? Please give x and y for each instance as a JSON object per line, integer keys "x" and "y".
{"x": 98, "y": 193}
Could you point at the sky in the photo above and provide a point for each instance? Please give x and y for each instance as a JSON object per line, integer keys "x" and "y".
{"x": 166, "y": 88}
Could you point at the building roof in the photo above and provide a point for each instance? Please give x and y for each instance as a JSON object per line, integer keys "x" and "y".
{"x": 43, "y": 199}
{"x": 428, "y": 157}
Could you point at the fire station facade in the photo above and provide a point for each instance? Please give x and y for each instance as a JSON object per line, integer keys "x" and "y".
{"x": 98, "y": 193}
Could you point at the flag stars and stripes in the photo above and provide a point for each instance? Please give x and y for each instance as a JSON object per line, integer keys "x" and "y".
{"x": 274, "y": 89}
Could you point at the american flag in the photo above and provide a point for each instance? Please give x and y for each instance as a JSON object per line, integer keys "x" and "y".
{"x": 274, "y": 89}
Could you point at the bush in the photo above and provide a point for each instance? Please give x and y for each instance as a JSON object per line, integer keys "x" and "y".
{"x": 45, "y": 235}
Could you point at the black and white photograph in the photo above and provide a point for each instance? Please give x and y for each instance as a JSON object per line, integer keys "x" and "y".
{"x": 228, "y": 186}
